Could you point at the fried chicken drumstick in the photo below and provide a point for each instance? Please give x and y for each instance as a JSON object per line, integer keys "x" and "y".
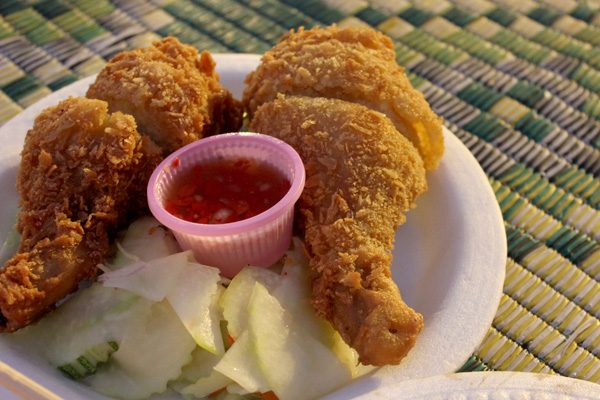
{"x": 353, "y": 64}
{"x": 83, "y": 174}
{"x": 362, "y": 175}
{"x": 173, "y": 93}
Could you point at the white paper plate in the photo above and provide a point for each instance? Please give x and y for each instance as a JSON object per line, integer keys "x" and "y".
{"x": 449, "y": 260}
{"x": 489, "y": 386}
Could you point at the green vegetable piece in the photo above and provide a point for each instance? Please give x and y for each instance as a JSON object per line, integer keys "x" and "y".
{"x": 151, "y": 353}
{"x": 235, "y": 299}
{"x": 287, "y": 356}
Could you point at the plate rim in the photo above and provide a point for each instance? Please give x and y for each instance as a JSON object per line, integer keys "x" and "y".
{"x": 510, "y": 384}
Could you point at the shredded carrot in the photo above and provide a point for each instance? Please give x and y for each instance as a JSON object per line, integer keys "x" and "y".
{"x": 265, "y": 395}
{"x": 216, "y": 392}
{"x": 268, "y": 396}
{"x": 230, "y": 338}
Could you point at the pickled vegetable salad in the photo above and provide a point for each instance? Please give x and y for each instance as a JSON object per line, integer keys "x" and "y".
{"x": 158, "y": 322}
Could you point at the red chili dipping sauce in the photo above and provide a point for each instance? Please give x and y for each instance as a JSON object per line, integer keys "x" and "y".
{"x": 226, "y": 191}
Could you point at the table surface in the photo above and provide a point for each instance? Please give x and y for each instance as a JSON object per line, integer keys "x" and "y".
{"x": 518, "y": 81}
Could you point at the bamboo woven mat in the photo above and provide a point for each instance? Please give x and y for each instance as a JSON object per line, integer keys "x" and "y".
{"x": 518, "y": 81}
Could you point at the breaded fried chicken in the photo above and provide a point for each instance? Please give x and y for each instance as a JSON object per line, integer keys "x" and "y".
{"x": 353, "y": 64}
{"x": 362, "y": 175}
{"x": 172, "y": 92}
{"x": 83, "y": 174}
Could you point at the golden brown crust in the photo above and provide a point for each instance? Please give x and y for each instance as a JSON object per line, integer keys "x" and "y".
{"x": 362, "y": 175}
{"x": 172, "y": 92}
{"x": 83, "y": 174}
{"x": 353, "y": 64}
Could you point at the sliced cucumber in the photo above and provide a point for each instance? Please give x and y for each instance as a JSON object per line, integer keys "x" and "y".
{"x": 294, "y": 293}
{"x": 201, "y": 366}
{"x": 239, "y": 364}
{"x": 151, "y": 354}
{"x": 294, "y": 364}
{"x": 92, "y": 317}
{"x": 86, "y": 363}
{"x": 145, "y": 239}
{"x": 152, "y": 279}
{"x": 196, "y": 302}
{"x": 235, "y": 299}
{"x": 207, "y": 385}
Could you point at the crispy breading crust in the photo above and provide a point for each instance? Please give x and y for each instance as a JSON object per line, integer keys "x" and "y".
{"x": 354, "y": 64}
{"x": 362, "y": 175}
{"x": 83, "y": 174}
{"x": 172, "y": 92}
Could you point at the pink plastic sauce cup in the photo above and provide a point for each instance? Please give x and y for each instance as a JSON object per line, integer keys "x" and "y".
{"x": 260, "y": 240}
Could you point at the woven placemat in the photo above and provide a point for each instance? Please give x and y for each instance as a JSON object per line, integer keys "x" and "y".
{"x": 517, "y": 81}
